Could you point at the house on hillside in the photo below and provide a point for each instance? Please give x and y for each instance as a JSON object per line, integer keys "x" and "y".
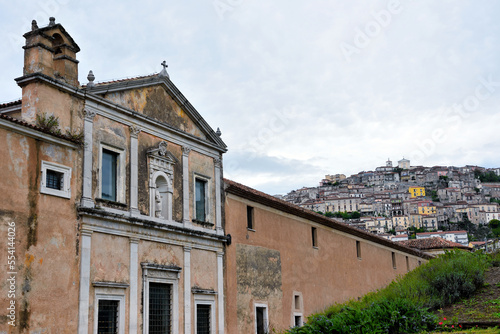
{"x": 434, "y": 245}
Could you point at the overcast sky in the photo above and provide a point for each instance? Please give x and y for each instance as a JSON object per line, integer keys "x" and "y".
{"x": 299, "y": 89}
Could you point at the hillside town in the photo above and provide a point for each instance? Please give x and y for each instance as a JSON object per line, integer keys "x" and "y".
{"x": 406, "y": 202}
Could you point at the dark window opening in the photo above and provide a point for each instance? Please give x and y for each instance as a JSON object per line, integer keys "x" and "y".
{"x": 407, "y": 264}
{"x": 314, "y": 234}
{"x": 298, "y": 321}
{"x": 394, "y": 260}
{"x": 160, "y": 308}
{"x": 200, "y": 186}
{"x": 107, "y": 317}
{"x": 261, "y": 320}
{"x": 297, "y": 302}
{"x": 202, "y": 319}
{"x": 54, "y": 180}
{"x": 250, "y": 223}
{"x": 108, "y": 173}
{"x": 358, "y": 249}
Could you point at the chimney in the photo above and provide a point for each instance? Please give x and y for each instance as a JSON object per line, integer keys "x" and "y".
{"x": 51, "y": 51}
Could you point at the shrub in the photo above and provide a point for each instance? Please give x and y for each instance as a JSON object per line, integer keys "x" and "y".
{"x": 403, "y": 306}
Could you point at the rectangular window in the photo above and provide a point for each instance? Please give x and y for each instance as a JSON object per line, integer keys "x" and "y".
{"x": 298, "y": 321}
{"x": 55, "y": 180}
{"x": 107, "y": 318}
{"x": 108, "y": 174}
{"x": 261, "y": 322}
{"x": 109, "y": 313}
{"x": 203, "y": 319}
{"x": 394, "y": 260}
{"x": 250, "y": 224}
{"x": 200, "y": 201}
{"x": 314, "y": 234}
{"x": 160, "y": 306}
{"x": 407, "y": 264}
{"x": 297, "y": 302}
{"x": 358, "y": 249}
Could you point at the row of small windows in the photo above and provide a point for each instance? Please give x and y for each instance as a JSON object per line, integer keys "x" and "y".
{"x": 314, "y": 239}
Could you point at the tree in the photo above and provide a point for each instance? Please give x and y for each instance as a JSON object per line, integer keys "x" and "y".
{"x": 494, "y": 224}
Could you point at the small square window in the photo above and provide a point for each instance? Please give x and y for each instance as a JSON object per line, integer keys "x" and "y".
{"x": 250, "y": 219}
{"x": 55, "y": 180}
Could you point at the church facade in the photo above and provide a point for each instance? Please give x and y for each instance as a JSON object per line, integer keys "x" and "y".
{"x": 114, "y": 190}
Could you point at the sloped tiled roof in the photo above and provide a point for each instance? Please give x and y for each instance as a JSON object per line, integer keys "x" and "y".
{"x": 10, "y": 104}
{"x": 431, "y": 243}
{"x": 37, "y": 128}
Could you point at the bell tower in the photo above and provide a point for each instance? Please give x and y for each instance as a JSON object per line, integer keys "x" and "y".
{"x": 51, "y": 51}
{"x": 50, "y": 76}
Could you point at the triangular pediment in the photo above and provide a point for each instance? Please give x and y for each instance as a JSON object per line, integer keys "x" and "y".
{"x": 158, "y": 98}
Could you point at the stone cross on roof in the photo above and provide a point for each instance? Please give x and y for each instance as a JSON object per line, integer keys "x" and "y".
{"x": 163, "y": 72}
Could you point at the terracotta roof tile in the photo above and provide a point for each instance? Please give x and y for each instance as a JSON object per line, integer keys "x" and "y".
{"x": 97, "y": 84}
{"x": 10, "y": 104}
{"x": 432, "y": 243}
{"x": 37, "y": 128}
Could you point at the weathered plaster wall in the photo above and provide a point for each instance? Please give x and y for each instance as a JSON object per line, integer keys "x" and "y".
{"x": 204, "y": 269}
{"x": 258, "y": 277}
{"x": 202, "y": 165}
{"x": 156, "y": 103}
{"x": 324, "y": 275}
{"x": 39, "y": 98}
{"x": 46, "y": 237}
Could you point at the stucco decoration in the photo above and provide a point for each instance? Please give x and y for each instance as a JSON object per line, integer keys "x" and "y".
{"x": 161, "y": 179}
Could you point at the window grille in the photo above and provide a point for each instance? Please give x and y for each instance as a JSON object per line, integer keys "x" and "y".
{"x": 54, "y": 180}
{"x": 202, "y": 319}
{"x": 160, "y": 308}
{"x": 107, "y": 322}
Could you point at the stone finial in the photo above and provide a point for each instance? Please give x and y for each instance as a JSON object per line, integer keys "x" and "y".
{"x": 91, "y": 79}
{"x": 218, "y": 132}
{"x": 52, "y": 21}
{"x": 34, "y": 25}
{"x": 163, "y": 72}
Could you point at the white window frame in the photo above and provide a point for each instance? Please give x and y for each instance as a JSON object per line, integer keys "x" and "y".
{"x": 65, "y": 170}
{"x": 297, "y": 311}
{"x": 110, "y": 293}
{"x": 266, "y": 315}
{"x": 206, "y": 179}
{"x": 120, "y": 171}
{"x": 204, "y": 299}
{"x": 160, "y": 274}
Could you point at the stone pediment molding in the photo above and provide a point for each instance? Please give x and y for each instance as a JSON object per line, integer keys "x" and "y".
{"x": 160, "y": 159}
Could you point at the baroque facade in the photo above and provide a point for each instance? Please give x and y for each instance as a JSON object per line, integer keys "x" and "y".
{"x": 115, "y": 193}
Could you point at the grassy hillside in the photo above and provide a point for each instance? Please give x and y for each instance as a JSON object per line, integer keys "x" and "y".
{"x": 417, "y": 302}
